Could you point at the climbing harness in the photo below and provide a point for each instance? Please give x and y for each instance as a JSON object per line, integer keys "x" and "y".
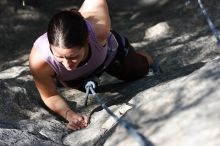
{"x": 90, "y": 88}
{"x": 208, "y": 19}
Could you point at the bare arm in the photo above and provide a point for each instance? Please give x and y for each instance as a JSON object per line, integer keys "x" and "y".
{"x": 43, "y": 77}
{"x": 96, "y": 11}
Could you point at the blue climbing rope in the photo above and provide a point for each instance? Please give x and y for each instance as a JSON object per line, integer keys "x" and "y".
{"x": 211, "y": 25}
{"x": 90, "y": 86}
{"x": 208, "y": 19}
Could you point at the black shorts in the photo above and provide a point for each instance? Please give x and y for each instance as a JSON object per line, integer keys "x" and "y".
{"x": 127, "y": 64}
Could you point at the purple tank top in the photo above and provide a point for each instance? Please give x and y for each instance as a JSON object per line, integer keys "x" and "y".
{"x": 99, "y": 55}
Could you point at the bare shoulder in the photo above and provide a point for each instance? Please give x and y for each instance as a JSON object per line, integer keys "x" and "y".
{"x": 39, "y": 66}
{"x": 91, "y": 5}
{"x": 96, "y": 12}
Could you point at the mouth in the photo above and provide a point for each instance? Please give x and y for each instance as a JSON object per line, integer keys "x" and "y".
{"x": 71, "y": 67}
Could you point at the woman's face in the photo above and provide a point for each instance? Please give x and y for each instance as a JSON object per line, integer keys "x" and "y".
{"x": 69, "y": 57}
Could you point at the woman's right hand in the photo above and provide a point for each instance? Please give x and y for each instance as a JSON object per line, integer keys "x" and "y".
{"x": 77, "y": 121}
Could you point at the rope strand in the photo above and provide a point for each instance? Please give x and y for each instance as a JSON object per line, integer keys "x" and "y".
{"x": 139, "y": 137}
{"x": 208, "y": 19}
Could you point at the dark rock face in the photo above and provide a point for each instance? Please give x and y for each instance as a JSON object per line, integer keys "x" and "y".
{"x": 179, "y": 107}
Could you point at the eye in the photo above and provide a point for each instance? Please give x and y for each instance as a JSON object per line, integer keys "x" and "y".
{"x": 59, "y": 59}
{"x": 72, "y": 58}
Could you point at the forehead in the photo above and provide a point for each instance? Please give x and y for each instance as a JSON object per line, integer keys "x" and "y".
{"x": 65, "y": 51}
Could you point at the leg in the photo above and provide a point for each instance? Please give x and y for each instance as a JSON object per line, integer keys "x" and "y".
{"x": 153, "y": 64}
{"x": 129, "y": 67}
{"x": 147, "y": 56}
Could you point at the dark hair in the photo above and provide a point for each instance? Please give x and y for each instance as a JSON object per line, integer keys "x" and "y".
{"x": 67, "y": 29}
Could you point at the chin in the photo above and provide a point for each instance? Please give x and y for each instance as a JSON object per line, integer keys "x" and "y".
{"x": 70, "y": 68}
